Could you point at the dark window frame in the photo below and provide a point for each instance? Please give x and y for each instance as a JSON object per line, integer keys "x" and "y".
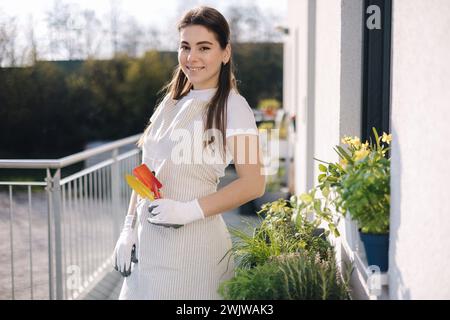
{"x": 376, "y": 68}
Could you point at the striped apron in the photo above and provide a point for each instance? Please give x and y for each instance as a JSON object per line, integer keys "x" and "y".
{"x": 189, "y": 262}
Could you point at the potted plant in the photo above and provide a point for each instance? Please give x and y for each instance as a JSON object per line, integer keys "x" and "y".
{"x": 286, "y": 227}
{"x": 362, "y": 183}
{"x": 285, "y": 257}
{"x": 269, "y": 107}
{"x": 294, "y": 276}
{"x": 309, "y": 208}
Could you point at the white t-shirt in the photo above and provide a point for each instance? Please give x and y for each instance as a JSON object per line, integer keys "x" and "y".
{"x": 240, "y": 117}
{"x": 240, "y": 120}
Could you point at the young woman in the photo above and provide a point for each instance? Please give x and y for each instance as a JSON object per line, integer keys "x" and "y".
{"x": 201, "y": 125}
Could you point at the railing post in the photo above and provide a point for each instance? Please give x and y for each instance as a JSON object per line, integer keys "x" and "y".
{"x": 115, "y": 192}
{"x": 54, "y": 189}
{"x": 11, "y": 242}
{"x": 48, "y": 189}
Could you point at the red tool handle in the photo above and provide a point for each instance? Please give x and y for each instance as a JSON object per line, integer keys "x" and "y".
{"x": 147, "y": 177}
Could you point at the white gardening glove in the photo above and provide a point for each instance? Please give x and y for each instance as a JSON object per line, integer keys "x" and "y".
{"x": 125, "y": 250}
{"x": 171, "y": 213}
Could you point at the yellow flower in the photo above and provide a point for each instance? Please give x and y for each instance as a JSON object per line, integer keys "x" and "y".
{"x": 343, "y": 163}
{"x": 361, "y": 154}
{"x": 346, "y": 140}
{"x": 365, "y": 146}
{"x": 386, "y": 138}
{"x": 356, "y": 142}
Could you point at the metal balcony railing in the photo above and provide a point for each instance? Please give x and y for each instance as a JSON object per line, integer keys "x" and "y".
{"x": 57, "y": 235}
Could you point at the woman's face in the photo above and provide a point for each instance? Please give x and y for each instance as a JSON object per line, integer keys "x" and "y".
{"x": 200, "y": 56}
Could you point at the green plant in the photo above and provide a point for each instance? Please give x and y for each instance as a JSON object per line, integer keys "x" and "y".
{"x": 285, "y": 257}
{"x": 251, "y": 250}
{"x": 310, "y": 206}
{"x": 290, "y": 220}
{"x": 285, "y": 228}
{"x": 330, "y": 178}
{"x": 361, "y": 181}
{"x": 365, "y": 188}
{"x": 295, "y": 276}
{"x": 274, "y": 235}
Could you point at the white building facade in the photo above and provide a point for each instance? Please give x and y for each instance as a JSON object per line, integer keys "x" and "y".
{"x": 328, "y": 81}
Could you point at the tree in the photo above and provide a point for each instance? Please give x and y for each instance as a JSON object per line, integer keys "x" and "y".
{"x": 144, "y": 78}
{"x": 259, "y": 70}
{"x": 92, "y": 33}
{"x": 152, "y": 39}
{"x": 114, "y": 25}
{"x": 132, "y": 38}
{"x": 30, "y": 54}
{"x": 235, "y": 18}
{"x": 249, "y": 24}
{"x": 64, "y": 22}
{"x": 8, "y": 36}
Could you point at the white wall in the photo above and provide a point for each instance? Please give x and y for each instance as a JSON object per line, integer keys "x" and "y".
{"x": 420, "y": 213}
{"x": 327, "y": 81}
{"x": 351, "y": 64}
{"x": 295, "y": 69}
{"x": 312, "y": 69}
{"x": 322, "y": 79}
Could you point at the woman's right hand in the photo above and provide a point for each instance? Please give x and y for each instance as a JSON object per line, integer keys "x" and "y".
{"x": 122, "y": 256}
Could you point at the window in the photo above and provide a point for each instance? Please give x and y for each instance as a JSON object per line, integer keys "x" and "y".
{"x": 376, "y": 67}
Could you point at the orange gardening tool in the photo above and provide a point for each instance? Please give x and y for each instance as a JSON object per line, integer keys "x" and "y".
{"x": 146, "y": 176}
{"x": 139, "y": 187}
{"x": 146, "y": 185}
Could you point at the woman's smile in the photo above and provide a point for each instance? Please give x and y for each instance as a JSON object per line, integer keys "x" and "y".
{"x": 194, "y": 69}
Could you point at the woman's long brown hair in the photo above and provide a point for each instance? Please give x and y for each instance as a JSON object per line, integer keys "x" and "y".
{"x": 179, "y": 85}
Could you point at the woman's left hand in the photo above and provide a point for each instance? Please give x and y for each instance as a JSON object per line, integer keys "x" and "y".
{"x": 171, "y": 213}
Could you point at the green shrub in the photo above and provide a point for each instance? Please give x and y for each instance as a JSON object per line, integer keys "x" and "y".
{"x": 282, "y": 231}
{"x": 250, "y": 250}
{"x": 296, "y": 276}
